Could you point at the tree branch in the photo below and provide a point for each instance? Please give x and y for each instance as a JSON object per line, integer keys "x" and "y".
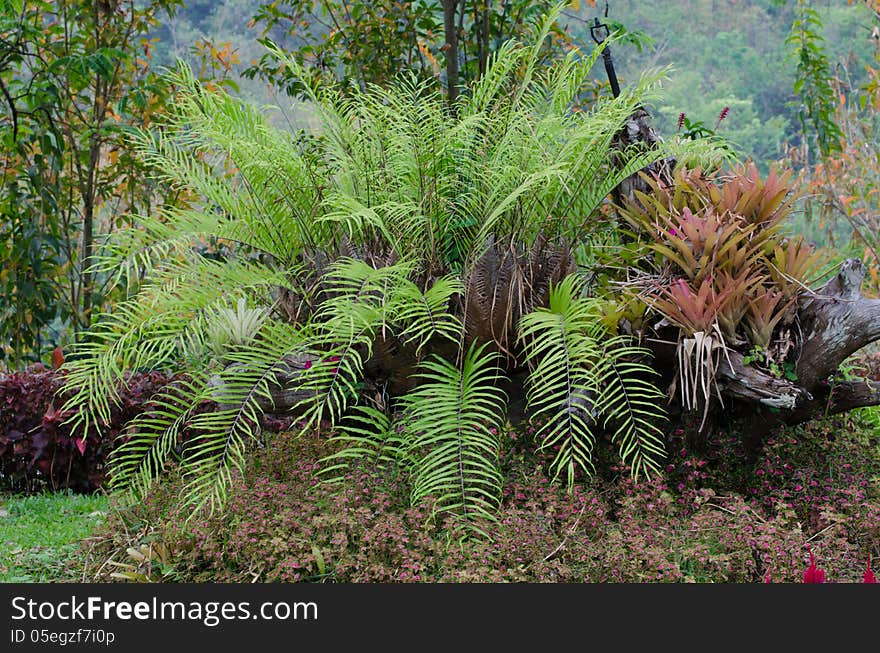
{"x": 838, "y": 397}
{"x": 12, "y": 110}
{"x": 739, "y": 381}
{"x": 836, "y": 322}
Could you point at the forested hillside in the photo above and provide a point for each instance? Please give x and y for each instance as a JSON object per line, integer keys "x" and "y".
{"x": 723, "y": 53}
{"x": 732, "y": 53}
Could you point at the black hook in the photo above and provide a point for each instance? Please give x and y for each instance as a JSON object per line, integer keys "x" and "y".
{"x": 599, "y": 32}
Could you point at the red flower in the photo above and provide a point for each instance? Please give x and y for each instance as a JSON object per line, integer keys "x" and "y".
{"x": 869, "y": 576}
{"x": 722, "y": 115}
{"x": 813, "y": 574}
{"x": 680, "y": 120}
{"x": 308, "y": 365}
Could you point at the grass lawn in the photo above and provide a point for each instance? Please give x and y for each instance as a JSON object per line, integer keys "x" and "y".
{"x": 40, "y": 534}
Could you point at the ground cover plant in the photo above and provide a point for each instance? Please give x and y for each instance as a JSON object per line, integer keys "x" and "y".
{"x": 724, "y": 518}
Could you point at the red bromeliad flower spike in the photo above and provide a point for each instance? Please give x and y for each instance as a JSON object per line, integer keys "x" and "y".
{"x": 813, "y": 574}
{"x": 869, "y": 576}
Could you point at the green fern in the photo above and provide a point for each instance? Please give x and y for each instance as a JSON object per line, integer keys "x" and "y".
{"x": 366, "y": 229}
{"x": 452, "y": 425}
{"x": 584, "y": 379}
{"x": 632, "y": 406}
{"x": 427, "y": 315}
{"x": 140, "y": 456}
{"x": 366, "y": 434}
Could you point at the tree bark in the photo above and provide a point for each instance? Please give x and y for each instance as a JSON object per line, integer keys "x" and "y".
{"x": 836, "y": 321}
{"x": 451, "y": 49}
{"x": 739, "y": 381}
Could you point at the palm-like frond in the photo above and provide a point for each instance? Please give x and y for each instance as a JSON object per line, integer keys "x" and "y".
{"x": 427, "y": 315}
{"x": 563, "y": 386}
{"x": 150, "y": 329}
{"x": 366, "y": 433}
{"x": 584, "y": 379}
{"x": 452, "y": 429}
{"x": 632, "y": 406}
{"x": 150, "y": 438}
{"x": 243, "y": 392}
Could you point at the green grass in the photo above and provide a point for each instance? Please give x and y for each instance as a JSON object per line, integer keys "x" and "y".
{"x": 40, "y": 534}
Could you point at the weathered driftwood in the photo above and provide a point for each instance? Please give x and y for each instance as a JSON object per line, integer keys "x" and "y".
{"x": 739, "y": 381}
{"x": 836, "y": 322}
{"x": 638, "y": 131}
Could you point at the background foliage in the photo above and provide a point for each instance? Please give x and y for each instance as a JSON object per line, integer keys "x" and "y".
{"x": 74, "y": 76}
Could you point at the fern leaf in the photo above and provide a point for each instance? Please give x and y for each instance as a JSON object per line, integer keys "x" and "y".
{"x": 452, "y": 428}
{"x": 563, "y": 387}
{"x": 632, "y": 405}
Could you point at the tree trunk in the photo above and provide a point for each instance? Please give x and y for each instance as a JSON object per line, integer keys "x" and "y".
{"x": 638, "y": 130}
{"x": 87, "y": 251}
{"x": 451, "y": 49}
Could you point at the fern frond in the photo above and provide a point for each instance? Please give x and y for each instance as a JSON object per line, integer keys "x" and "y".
{"x": 631, "y": 404}
{"x": 583, "y": 378}
{"x": 243, "y": 392}
{"x": 452, "y": 422}
{"x": 150, "y": 438}
{"x": 423, "y": 316}
{"x": 563, "y": 386}
{"x": 150, "y": 329}
{"x": 365, "y": 434}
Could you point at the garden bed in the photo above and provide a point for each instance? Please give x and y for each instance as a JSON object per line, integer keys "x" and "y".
{"x": 721, "y": 518}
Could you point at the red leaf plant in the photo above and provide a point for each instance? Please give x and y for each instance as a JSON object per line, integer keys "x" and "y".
{"x": 869, "y": 576}
{"x": 813, "y": 574}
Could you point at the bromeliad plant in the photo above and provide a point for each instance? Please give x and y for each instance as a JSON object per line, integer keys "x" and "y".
{"x": 719, "y": 268}
{"x": 378, "y": 276}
